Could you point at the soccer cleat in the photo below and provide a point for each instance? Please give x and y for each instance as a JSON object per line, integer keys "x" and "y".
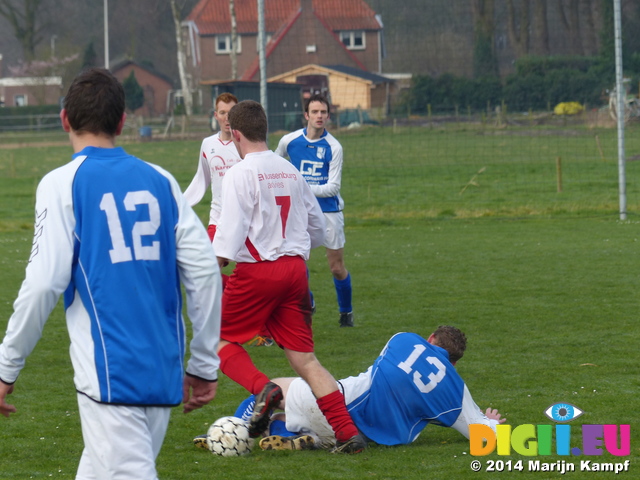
{"x": 346, "y": 319}
{"x": 355, "y": 444}
{"x": 260, "y": 341}
{"x": 201, "y": 442}
{"x": 298, "y": 442}
{"x": 268, "y": 399}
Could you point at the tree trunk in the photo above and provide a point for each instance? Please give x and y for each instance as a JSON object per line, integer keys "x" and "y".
{"x": 234, "y": 40}
{"x": 182, "y": 68}
{"x": 24, "y": 24}
{"x": 540, "y": 34}
{"x": 518, "y": 30}
{"x": 485, "y": 62}
{"x": 593, "y": 24}
{"x": 569, "y": 12}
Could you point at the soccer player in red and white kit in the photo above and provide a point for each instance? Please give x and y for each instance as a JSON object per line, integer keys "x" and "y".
{"x": 269, "y": 223}
{"x": 217, "y": 155}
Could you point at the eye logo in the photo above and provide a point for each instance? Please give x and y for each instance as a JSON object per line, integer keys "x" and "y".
{"x": 563, "y": 412}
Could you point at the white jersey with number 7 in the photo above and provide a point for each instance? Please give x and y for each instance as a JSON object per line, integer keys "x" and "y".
{"x": 268, "y": 211}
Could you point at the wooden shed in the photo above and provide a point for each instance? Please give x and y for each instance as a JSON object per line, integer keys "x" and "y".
{"x": 347, "y": 87}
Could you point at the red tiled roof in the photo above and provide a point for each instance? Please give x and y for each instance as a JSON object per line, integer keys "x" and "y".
{"x": 213, "y": 17}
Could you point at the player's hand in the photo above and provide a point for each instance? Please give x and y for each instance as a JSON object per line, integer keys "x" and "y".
{"x": 493, "y": 414}
{"x": 5, "y": 408}
{"x": 196, "y": 393}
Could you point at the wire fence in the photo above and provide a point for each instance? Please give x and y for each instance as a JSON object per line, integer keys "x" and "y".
{"x": 482, "y": 106}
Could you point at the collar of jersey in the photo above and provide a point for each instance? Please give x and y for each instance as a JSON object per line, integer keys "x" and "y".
{"x": 324, "y": 134}
{"x": 100, "y": 152}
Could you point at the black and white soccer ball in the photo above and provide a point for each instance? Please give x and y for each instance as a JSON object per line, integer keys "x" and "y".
{"x": 229, "y": 437}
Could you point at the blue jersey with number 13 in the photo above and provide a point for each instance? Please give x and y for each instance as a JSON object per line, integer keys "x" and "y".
{"x": 413, "y": 383}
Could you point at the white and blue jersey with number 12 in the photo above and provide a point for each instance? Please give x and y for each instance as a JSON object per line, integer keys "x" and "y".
{"x": 413, "y": 383}
{"x": 124, "y": 261}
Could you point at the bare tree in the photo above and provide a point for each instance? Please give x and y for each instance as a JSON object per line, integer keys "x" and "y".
{"x": 540, "y": 28}
{"x": 234, "y": 40}
{"x": 185, "y": 84}
{"x": 593, "y": 23}
{"x": 518, "y": 27}
{"x": 23, "y": 17}
{"x": 484, "y": 54}
{"x": 569, "y": 13}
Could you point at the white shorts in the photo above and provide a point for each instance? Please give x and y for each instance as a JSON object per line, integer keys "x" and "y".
{"x": 334, "y": 233}
{"x": 120, "y": 442}
{"x": 303, "y": 414}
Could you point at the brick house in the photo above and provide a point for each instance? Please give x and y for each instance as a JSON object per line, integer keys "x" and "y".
{"x": 298, "y": 33}
{"x": 23, "y": 91}
{"x": 157, "y": 88}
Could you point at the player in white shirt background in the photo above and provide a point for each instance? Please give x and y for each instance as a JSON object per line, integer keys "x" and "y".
{"x": 116, "y": 238}
{"x": 411, "y": 384}
{"x": 269, "y": 223}
{"x": 217, "y": 155}
{"x": 318, "y": 156}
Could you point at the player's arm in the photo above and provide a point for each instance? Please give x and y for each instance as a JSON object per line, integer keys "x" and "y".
{"x": 472, "y": 414}
{"x": 201, "y": 180}
{"x": 5, "y": 408}
{"x": 201, "y": 278}
{"x": 282, "y": 147}
{"x": 316, "y": 225}
{"x": 47, "y": 275}
{"x": 332, "y": 187}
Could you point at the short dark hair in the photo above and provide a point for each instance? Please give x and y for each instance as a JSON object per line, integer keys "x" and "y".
{"x": 225, "y": 97}
{"x": 249, "y": 118}
{"x": 316, "y": 97}
{"x": 95, "y": 102}
{"x": 452, "y": 340}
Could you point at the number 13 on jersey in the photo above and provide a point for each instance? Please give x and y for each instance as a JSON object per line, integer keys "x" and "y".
{"x": 434, "y": 378}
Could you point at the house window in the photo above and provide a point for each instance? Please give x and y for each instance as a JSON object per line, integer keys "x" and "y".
{"x": 353, "y": 40}
{"x": 20, "y": 100}
{"x": 223, "y": 44}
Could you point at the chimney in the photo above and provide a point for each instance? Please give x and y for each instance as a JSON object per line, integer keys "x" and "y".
{"x": 308, "y": 22}
{"x": 306, "y": 5}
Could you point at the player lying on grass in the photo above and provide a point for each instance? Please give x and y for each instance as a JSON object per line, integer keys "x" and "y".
{"x": 412, "y": 383}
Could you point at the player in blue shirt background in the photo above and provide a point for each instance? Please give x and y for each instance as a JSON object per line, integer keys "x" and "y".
{"x": 318, "y": 156}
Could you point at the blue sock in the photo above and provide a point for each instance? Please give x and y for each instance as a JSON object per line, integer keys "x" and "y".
{"x": 343, "y": 291}
{"x": 245, "y": 409}
{"x": 278, "y": 427}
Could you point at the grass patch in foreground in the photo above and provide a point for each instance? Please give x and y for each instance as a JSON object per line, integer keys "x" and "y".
{"x": 549, "y": 307}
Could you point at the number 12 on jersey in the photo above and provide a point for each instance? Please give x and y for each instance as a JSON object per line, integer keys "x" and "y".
{"x": 120, "y": 251}
{"x": 434, "y": 378}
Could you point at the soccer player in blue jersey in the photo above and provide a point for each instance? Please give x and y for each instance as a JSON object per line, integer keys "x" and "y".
{"x": 115, "y": 237}
{"x": 412, "y": 383}
{"x": 318, "y": 156}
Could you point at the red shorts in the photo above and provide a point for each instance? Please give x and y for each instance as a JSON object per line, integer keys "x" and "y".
{"x": 274, "y": 295}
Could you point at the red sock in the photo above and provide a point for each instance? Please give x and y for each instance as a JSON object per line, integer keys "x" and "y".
{"x": 335, "y": 411}
{"x": 236, "y": 364}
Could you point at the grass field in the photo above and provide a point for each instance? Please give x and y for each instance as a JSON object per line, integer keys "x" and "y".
{"x": 544, "y": 284}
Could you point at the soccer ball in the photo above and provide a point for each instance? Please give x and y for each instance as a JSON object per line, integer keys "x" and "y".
{"x": 229, "y": 437}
